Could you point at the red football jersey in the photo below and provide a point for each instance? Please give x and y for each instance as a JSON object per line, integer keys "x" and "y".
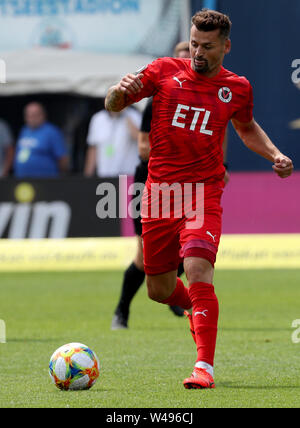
{"x": 190, "y": 117}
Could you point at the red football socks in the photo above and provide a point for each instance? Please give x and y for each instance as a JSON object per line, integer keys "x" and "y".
{"x": 179, "y": 297}
{"x": 205, "y": 319}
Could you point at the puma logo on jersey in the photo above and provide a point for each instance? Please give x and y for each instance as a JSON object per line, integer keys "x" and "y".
{"x": 211, "y": 235}
{"x": 177, "y": 80}
{"x": 202, "y": 313}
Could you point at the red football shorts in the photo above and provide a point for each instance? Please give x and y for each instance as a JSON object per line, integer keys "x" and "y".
{"x": 167, "y": 241}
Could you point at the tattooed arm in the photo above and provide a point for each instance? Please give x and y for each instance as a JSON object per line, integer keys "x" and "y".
{"x": 117, "y": 97}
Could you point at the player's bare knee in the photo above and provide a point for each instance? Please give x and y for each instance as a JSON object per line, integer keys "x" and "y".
{"x": 153, "y": 295}
{"x": 198, "y": 270}
{"x": 155, "y": 291}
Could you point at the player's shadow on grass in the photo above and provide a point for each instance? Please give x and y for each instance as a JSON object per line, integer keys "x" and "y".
{"x": 93, "y": 390}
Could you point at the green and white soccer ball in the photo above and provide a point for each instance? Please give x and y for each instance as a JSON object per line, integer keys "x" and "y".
{"x": 74, "y": 367}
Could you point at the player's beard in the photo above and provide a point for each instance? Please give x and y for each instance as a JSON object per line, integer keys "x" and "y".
{"x": 203, "y": 68}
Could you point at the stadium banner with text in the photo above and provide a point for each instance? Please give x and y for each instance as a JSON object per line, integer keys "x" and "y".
{"x": 106, "y": 26}
{"x": 77, "y": 207}
{"x": 56, "y": 208}
{"x": 102, "y": 254}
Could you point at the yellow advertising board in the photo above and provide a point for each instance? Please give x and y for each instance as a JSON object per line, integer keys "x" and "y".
{"x": 66, "y": 254}
{"x": 259, "y": 252}
{"x": 235, "y": 252}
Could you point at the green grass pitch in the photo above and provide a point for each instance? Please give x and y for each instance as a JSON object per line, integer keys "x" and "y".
{"x": 256, "y": 365}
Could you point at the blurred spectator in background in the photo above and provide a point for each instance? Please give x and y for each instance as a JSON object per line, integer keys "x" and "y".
{"x": 41, "y": 150}
{"x": 112, "y": 141}
{"x": 182, "y": 50}
{"x": 6, "y": 149}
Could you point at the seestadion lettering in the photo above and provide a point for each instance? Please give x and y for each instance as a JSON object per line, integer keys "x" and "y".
{"x": 182, "y": 201}
{"x": 66, "y": 7}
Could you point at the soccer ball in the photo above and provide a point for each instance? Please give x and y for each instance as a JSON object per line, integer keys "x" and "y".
{"x": 73, "y": 367}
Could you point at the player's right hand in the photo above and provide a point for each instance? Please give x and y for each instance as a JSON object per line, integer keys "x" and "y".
{"x": 131, "y": 84}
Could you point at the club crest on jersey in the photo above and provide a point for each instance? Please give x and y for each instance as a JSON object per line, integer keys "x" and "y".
{"x": 225, "y": 94}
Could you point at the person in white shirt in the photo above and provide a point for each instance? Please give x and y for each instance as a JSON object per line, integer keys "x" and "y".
{"x": 112, "y": 141}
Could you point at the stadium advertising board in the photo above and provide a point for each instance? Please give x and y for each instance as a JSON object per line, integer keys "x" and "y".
{"x": 54, "y": 208}
{"x": 93, "y": 254}
{"x": 258, "y": 232}
{"x": 139, "y": 26}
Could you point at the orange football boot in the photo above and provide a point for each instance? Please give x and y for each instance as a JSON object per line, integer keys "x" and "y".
{"x": 200, "y": 379}
{"x": 192, "y": 330}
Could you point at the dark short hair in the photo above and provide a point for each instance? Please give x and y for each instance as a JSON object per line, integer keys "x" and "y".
{"x": 210, "y": 20}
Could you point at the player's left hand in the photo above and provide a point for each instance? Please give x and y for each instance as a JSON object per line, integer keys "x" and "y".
{"x": 283, "y": 166}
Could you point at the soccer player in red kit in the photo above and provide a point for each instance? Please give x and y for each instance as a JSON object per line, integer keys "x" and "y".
{"x": 193, "y": 101}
